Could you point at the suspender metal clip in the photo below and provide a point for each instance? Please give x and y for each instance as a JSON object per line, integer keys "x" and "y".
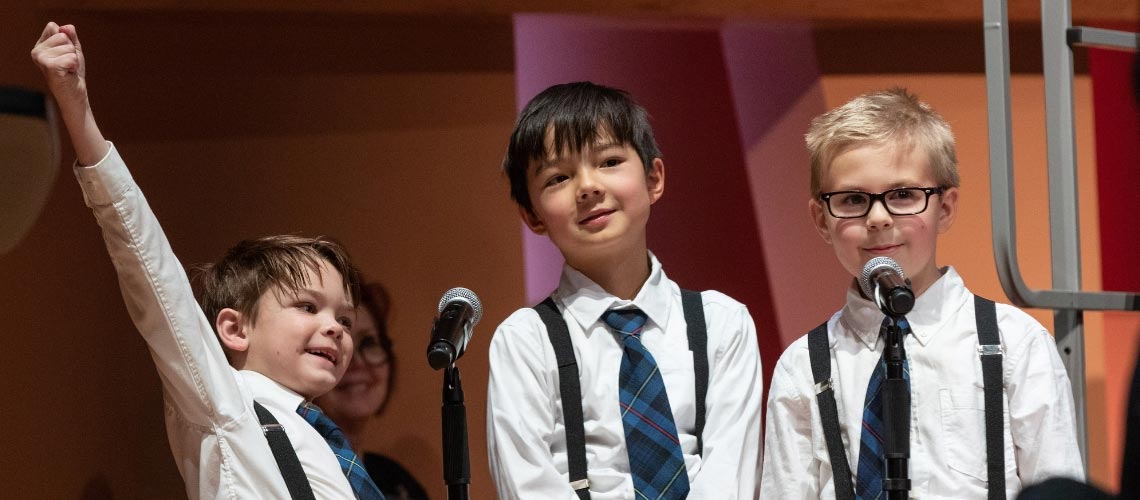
{"x": 823, "y": 386}
{"x": 991, "y": 350}
{"x": 267, "y": 428}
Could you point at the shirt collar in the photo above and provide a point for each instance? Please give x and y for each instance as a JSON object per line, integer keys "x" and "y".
{"x": 587, "y": 301}
{"x": 942, "y": 300}
{"x": 266, "y": 390}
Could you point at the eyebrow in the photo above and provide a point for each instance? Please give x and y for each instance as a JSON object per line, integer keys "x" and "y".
{"x": 894, "y": 185}
{"x": 549, "y": 161}
{"x": 317, "y": 294}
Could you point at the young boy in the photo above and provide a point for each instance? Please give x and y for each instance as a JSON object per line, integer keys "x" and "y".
{"x": 885, "y": 183}
{"x": 584, "y": 169}
{"x": 282, "y": 308}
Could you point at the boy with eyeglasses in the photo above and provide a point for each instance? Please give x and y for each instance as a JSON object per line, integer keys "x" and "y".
{"x": 884, "y": 182}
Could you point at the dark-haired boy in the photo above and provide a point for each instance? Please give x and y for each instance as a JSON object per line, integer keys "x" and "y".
{"x": 282, "y": 308}
{"x": 584, "y": 169}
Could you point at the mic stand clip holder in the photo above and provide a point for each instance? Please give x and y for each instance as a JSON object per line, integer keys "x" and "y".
{"x": 896, "y": 411}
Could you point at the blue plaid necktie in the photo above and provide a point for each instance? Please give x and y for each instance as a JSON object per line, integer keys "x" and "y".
{"x": 872, "y": 462}
{"x": 655, "y": 460}
{"x": 353, "y": 468}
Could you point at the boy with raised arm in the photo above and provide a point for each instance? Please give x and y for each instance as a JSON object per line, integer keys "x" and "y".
{"x": 282, "y": 308}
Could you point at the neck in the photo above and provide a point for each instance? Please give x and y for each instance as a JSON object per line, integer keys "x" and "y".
{"x": 621, "y": 276}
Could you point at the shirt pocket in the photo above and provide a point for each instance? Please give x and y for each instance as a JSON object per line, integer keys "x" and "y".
{"x": 964, "y": 430}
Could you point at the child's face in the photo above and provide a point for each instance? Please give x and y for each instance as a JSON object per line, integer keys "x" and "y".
{"x": 910, "y": 240}
{"x": 303, "y": 342}
{"x": 593, "y": 204}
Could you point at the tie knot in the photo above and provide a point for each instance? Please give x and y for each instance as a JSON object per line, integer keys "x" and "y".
{"x": 628, "y": 321}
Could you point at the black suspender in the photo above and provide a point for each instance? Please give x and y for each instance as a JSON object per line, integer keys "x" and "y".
{"x": 570, "y": 389}
{"x": 698, "y": 343}
{"x": 990, "y": 351}
{"x": 571, "y": 392}
{"x": 818, "y": 351}
{"x": 283, "y": 453}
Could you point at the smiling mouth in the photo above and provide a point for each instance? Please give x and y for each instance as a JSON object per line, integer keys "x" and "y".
{"x": 594, "y": 217}
{"x": 325, "y": 355}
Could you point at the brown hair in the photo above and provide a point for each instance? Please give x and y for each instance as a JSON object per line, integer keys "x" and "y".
{"x": 375, "y": 300}
{"x": 251, "y": 267}
{"x": 892, "y": 115}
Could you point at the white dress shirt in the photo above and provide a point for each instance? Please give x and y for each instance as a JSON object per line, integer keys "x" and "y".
{"x": 948, "y": 443}
{"x": 526, "y": 437}
{"x": 214, "y": 433}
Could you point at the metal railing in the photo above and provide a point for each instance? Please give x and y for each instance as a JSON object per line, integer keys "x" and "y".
{"x": 1058, "y": 37}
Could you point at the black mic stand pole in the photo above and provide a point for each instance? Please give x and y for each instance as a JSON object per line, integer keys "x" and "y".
{"x": 896, "y": 411}
{"x": 456, "y": 459}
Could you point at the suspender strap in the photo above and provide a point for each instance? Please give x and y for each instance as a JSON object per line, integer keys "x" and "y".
{"x": 819, "y": 351}
{"x": 698, "y": 344}
{"x": 990, "y": 351}
{"x": 283, "y": 453}
{"x": 569, "y": 388}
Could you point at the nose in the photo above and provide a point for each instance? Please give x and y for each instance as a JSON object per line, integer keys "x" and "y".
{"x": 588, "y": 185}
{"x": 879, "y": 217}
{"x": 332, "y": 327}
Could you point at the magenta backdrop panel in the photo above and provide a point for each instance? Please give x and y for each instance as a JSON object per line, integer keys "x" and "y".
{"x": 776, "y": 91}
{"x": 704, "y": 229}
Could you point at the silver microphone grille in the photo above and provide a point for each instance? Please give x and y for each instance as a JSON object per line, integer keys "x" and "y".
{"x": 460, "y": 293}
{"x": 871, "y": 267}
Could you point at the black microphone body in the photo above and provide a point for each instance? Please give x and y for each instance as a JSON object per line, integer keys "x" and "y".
{"x": 459, "y": 311}
{"x": 883, "y": 281}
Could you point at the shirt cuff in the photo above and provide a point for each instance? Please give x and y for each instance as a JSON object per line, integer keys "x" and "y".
{"x": 105, "y": 181}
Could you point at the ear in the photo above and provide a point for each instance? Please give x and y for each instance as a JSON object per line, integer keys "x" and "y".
{"x": 231, "y": 330}
{"x": 655, "y": 180}
{"x": 947, "y": 209}
{"x": 532, "y": 220}
{"x": 819, "y": 219}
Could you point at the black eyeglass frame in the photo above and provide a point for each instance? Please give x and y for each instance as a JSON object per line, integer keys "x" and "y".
{"x": 881, "y": 197}
{"x": 374, "y": 349}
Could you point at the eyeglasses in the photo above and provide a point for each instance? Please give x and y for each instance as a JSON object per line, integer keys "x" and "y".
{"x": 371, "y": 352}
{"x": 901, "y": 201}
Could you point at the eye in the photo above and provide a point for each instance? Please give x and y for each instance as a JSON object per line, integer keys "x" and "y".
{"x": 345, "y": 322}
{"x": 613, "y": 162}
{"x": 307, "y": 307}
{"x": 556, "y": 179}
{"x": 852, "y": 198}
{"x": 902, "y": 195}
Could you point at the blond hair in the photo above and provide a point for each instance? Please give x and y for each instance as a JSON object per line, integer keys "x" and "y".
{"x": 889, "y": 116}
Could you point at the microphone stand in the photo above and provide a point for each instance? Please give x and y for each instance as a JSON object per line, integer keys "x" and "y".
{"x": 896, "y": 411}
{"x": 456, "y": 459}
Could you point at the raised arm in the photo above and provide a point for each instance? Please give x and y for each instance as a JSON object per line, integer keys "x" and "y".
{"x": 197, "y": 381}
{"x": 60, "y": 58}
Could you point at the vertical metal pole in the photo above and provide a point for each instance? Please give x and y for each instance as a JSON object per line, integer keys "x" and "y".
{"x": 1064, "y": 228}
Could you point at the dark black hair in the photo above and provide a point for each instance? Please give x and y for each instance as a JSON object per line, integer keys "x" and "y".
{"x": 579, "y": 113}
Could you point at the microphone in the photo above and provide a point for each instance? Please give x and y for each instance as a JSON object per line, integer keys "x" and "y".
{"x": 459, "y": 311}
{"x": 885, "y": 283}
